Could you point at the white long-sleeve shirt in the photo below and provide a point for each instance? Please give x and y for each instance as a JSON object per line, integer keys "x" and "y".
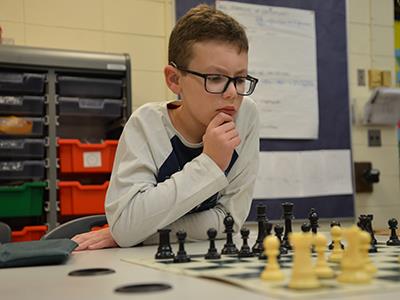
{"x": 159, "y": 180}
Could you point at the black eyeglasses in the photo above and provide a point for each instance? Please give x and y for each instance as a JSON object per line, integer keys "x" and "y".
{"x": 218, "y": 83}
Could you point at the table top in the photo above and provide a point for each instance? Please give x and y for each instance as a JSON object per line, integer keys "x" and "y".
{"x": 53, "y": 282}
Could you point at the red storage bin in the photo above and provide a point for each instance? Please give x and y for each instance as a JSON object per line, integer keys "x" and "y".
{"x": 76, "y": 157}
{"x": 77, "y": 199}
{"x": 29, "y": 233}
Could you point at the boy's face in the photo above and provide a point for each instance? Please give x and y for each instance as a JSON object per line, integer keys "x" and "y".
{"x": 212, "y": 57}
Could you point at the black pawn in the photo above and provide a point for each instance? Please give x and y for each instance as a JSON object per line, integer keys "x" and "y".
{"x": 313, "y": 218}
{"x": 305, "y": 227}
{"x": 258, "y": 247}
{"x": 287, "y": 216}
{"x": 394, "y": 239}
{"x": 278, "y": 233}
{"x": 229, "y": 247}
{"x": 181, "y": 256}
{"x": 335, "y": 223}
{"x": 164, "y": 248}
{"x": 212, "y": 251}
{"x": 245, "y": 251}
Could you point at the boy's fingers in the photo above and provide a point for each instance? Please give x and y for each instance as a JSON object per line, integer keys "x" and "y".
{"x": 219, "y": 119}
{"x": 99, "y": 245}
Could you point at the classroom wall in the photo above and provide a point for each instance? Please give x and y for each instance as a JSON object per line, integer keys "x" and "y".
{"x": 138, "y": 27}
{"x": 141, "y": 28}
{"x": 371, "y": 46}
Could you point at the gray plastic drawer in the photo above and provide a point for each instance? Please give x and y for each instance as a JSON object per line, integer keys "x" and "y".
{"x": 12, "y": 83}
{"x": 70, "y": 86}
{"x": 21, "y": 126}
{"x": 107, "y": 108}
{"x": 28, "y": 169}
{"x": 22, "y": 105}
{"x": 22, "y": 148}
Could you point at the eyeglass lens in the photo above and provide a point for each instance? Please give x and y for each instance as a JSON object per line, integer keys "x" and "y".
{"x": 218, "y": 84}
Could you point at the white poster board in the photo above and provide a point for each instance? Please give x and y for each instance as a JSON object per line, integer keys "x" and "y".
{"x": 297, "y": 174}
{"x": 282, "y": 56}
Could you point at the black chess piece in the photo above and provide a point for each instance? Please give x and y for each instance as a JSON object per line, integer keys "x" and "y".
{"x": 394, "y": 239}
{"x": 306, "y": 227}
{"x": 164, "y": 247}
{"x": 229, "y": 247}
{"x": 288, "y": 217}
{"x": 258, "y": 247}
{"x": 268, "y": 228}
{"x": 362, "y": 222}
{"x": 370, "y": 218}
{"x": 181, "y": 256}
{"x": 212, "y": 251}
{"x": 365, "y": 223}
{"x": 278, "y": 228}
{"x": 245, "y": 250}
{"x": 313, "y": 218}
{"x": 335, "y": 223}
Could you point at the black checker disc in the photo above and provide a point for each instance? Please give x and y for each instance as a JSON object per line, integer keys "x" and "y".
{"x": 91, "y": 272}
{"x": 143, "y": 288}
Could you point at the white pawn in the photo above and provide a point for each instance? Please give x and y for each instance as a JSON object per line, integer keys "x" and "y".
{"x": 303, "y": 274}
{"x": 322, "y": 268}
{"x": 337, "y": 251}
{"x": 272, "y": 270}
{"x": 352, "y": 263}
{"x": 365, "y": 244}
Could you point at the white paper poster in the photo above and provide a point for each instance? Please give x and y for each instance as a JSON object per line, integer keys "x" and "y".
{"x": 294, "y": 174}
{"x": 282, "y": 56}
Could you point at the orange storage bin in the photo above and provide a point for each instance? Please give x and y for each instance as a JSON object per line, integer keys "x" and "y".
{"x": 77, "y": 157}
{"x": 29, "y": 233}
{"x": 77, "y": 199}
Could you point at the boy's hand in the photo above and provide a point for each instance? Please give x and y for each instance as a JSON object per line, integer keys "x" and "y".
{"x": 220, "y": 139}
{"x": 92, "y": 240}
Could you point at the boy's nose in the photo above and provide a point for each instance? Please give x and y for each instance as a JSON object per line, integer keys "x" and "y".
{"x": 230, "y": 92}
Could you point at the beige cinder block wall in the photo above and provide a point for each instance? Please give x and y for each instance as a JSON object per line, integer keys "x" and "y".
{"x": 138, "y": 27}
{"x": 370, "y": 26}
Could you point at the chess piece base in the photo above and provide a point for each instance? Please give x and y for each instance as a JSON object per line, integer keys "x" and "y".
{"x": 393, "y": 242}
{"x": 165, "y": 255}
{"x": 272, "y": 275}
{"x": 303, "y": 284}
{"x": 212, "y": 255}
{"x": 184, "y": 259}
{"x": 356, "y": 277}
{"x": 229, "y": 250}
{"x": 324, "y": 272}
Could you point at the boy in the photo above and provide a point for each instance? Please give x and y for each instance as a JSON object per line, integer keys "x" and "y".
{"x": 186, "y": 164}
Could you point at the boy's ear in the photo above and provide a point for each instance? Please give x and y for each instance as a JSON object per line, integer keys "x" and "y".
{"x": 172, "y": 79}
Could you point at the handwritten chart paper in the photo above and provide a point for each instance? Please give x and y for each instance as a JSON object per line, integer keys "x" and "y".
{"x": 292, "y": 174}
{"x": 282, "y": 56}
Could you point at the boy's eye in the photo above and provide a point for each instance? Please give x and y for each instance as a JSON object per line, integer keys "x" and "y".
{"x": 216, "y": 78}
{"x": 240, "y": 80}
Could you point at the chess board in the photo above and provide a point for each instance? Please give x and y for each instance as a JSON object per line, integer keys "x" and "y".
{"x": 245, "y": 273}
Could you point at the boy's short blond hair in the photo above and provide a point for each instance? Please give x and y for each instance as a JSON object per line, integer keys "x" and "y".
{"x": 203, "y": 23}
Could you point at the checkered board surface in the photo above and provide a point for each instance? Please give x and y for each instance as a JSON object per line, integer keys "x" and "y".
{"x": 245, "y": 272}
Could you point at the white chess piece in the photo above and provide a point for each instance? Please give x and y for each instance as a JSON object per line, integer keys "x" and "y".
{"x": 352, "y": 263}
{"x": 337, "y": 251}
{"x": 367, "y": 262}
{"x": 322, "y": 268}
{"x": 303, "y": 273}
{"x": 272, "y": 270}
